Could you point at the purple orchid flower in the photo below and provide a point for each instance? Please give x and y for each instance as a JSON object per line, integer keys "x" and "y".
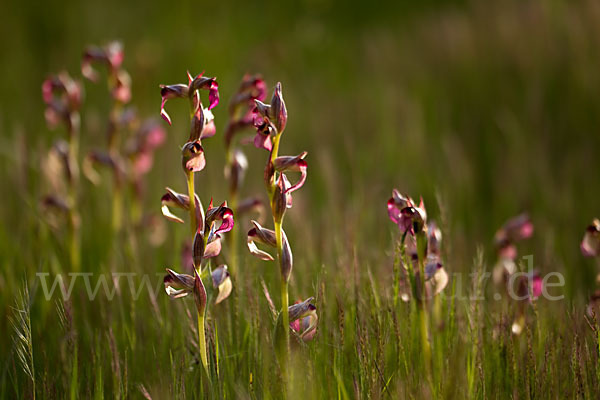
{"x": 190, "y": 91}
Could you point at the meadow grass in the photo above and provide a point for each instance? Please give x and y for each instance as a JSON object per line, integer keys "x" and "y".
{"x": 485, "y": 110}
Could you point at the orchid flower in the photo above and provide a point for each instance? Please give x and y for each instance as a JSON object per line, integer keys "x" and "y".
{"x": 514, "y": 230}
{"x": 190, "y": 91}
{"x": 590, "y": 244}
{"x": 269, "y": 119}
{"x": 403, "y": 211}
{"x": 303, "y": 319}
{"x": 179, "y": 200}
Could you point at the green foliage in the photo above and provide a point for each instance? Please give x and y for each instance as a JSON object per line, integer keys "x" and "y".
{"x": 490, "y": 108}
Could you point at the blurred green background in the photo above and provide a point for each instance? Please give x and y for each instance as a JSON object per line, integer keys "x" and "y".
{"x": 489, "y": 107}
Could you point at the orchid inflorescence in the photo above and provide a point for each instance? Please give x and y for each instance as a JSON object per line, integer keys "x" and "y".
{"x": 419, "y": 248}
{"x": 270, "y": 121}
{"x": 207, "y": 226}
{"x": 131, "y": 160}
{"x": 63, "y": 97}
{"x": 526, "y": 287}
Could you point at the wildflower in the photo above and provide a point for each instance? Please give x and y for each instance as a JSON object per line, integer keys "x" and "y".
{"x": 590, "y": 244}
{"x": 269, "y": 119}
{"x": 515, "y": 229}
{"x": 236, "y": 171}
{"x": 403, "y": 212}
{"x": 221, "y": 281}
{"x": 190, "y": 91}
{"x": 241, "y": 106}
{"x": 192, "y": 157}
{"x": 63, "y": 97}
{"x": 528, "y": 288}
{"x": 181, "y": 285}
{"x": 303, "y": 319}
{"x": 111, "y": 56}
{"x": 179, "y": 200}
{"x": 140, "y": 149}
{"x": 292, "y": 164}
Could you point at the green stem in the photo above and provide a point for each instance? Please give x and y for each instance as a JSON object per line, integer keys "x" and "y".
{"x": 117, "y": 208}
{"x": 233, "y": 236}
{"x": 190, "y": 182}
{"x": 202, "y": 342}
{"x": 74, "y": 219}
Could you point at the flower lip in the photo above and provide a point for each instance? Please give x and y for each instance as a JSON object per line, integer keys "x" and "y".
{"x": 221, "y": 213}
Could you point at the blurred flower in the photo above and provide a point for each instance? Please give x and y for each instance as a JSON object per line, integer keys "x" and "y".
{"x": 98, "y": 157}
{"x": 303, "y": 319}
{"x": 593, "y": 306}
{"x": 403, "y": 212}
{"x": 140, "y": 148}
{"x": 236, "y": 170}
{"x": 514, "y": 230}
{"x": 62, "y": 96}
{"x": 242, "y": 105}
{"x": 528, "y": 288}
{"x": 590, "y": 245}
{"x": 110, "y": 55}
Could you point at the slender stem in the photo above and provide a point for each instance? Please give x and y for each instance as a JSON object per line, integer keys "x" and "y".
{"x": 190, "y": 182}
{"x": 284, "y": 287}
{"x": 202, "y": 341}
{"x": 74, "y": 219}
{"x": 117, "y": 208}
{"x": 233, "y": 236}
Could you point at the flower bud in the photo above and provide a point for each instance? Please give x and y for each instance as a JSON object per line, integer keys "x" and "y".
{"x": 198, "y": 249}
{"x": 278, "y": 109}
{"x": 236, "y": 170}
{"x": 199, "y": 294}
{"x": 282, "y": 200}
{"x": 287, "y": 261}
